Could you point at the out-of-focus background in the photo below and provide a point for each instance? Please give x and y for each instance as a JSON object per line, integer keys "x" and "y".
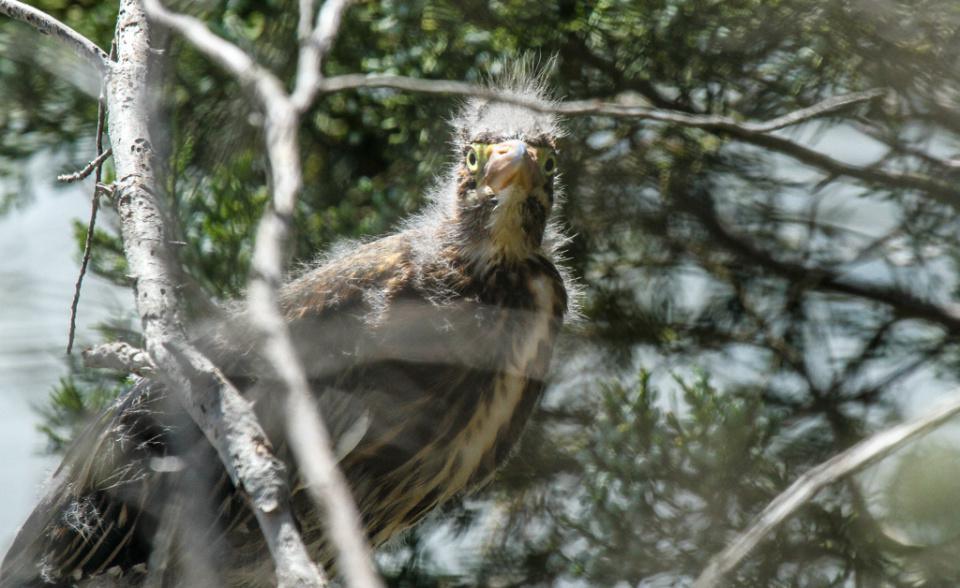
{"x": 39, "y": 263}
{"x": 753, "y": 303}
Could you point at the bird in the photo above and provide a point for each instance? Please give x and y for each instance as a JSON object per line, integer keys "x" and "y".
{"x": 427, "y": 351}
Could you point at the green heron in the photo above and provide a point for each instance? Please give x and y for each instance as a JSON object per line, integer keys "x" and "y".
{"x": 427, "y": 352}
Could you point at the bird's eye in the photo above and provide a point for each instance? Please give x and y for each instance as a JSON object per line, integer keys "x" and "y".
{"x": 473, "y": 161}
{"x": 550, "y": 165}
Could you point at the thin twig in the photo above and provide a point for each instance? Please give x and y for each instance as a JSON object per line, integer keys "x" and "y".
{"x": 313, "y": 50}
{"x": 810, "y": 483}
{"x": 757, "y": 133}
{"x": 48, "y": 25}
{"x": 88, "y": 169}
{"x": 593, "y": 106}
{"x": 92, "y": 223}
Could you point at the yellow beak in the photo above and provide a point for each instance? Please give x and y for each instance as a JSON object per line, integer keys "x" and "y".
{"x": 512, "y": 164}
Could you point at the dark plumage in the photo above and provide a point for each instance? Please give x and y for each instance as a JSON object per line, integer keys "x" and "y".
{"x": 427, "y": 351}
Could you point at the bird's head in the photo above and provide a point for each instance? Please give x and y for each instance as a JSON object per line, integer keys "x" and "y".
{"x": 506, "y": 171}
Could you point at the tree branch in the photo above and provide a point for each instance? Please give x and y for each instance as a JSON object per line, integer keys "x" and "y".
{"x": 118, "y": 356}
{"x": 313, "y": 49}
{"x": 810, "y": 483}
{"x": 756, "y": 133}
{"x": 827, "y": 106}
{"x": 226, "y": 418}
{"x": 904, "y": 303}
{"x": 48, "y": 25}
{"x": 307, "y": 433}
{"x": 595, "y": 107}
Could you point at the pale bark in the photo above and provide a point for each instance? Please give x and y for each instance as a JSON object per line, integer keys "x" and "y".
{"x": 226, "y": 418}
{"x": 306, "y": 431}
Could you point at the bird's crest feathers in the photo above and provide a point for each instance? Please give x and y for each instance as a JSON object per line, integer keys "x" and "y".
{"x": 490, "y": 120}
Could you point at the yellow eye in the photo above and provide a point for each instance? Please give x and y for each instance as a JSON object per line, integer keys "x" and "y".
{"x": 550, "y": 164}
{"x": 473, "y": 160}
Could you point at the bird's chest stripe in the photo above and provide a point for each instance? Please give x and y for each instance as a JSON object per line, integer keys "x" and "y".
{"x": 479, "y": 437}
{"x": 471, "y": 455}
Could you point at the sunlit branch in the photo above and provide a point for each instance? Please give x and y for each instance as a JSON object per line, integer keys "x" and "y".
{"x": 305, "y": 23}
{"x": 48, "y": 25}
{"x": 810, "y": 483}
{"x": 594, "y": 106}
{"x": 306, "y": 432}
{"x": 312, "y": 50}
{"x": 220, "y": 411}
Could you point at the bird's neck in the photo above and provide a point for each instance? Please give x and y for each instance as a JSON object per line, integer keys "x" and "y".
{"x": 511, "y": 249}
{"x": 500, "y": 235}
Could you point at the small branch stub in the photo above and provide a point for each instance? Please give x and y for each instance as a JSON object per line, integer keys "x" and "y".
{"x": 119, "y": 356}
{"x": 87, "y": 170}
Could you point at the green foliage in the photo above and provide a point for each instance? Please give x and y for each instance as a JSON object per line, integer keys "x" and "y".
{"x": 648, "y": 490}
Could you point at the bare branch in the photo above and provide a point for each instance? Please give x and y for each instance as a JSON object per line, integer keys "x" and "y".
{"x": 119, "y": 356}
{"x": 87, "y": 170}
{"x": 757, "y": 133}
{"x": 307, "y": 432}
{"x": 819, "y": 109}
{"x": 304, "y": 25}
{"x": 593, "y": 106}
{"x": 226, "y": 418}
{"x": 810, "y": 483}
{"x": 48, "y": 25}
{"x": 314, "y": 49}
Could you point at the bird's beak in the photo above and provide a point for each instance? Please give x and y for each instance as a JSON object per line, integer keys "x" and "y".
{"x": 512, "y": 164}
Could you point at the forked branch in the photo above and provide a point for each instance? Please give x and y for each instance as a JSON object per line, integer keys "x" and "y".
{"x": 306, "y": 429}
{"x": 220, "y": 411}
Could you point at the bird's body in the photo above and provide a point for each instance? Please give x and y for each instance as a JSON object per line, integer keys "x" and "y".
{"x": 427, "y": 351}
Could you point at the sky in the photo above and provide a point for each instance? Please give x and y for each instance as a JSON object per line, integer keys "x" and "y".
{"x": 38, "y": 267}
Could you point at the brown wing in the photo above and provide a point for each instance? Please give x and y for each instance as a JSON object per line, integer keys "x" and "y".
{"x": 126, "y": 471}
